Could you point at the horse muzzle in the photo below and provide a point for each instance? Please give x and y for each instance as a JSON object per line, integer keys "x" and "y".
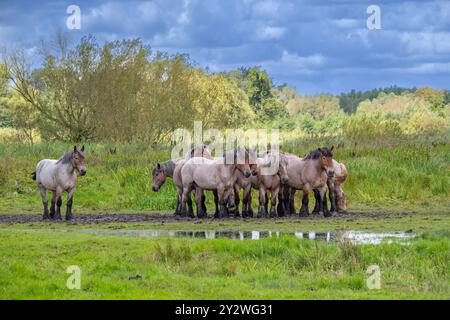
{"x": 155, "y": 188}
{"x": 284, "y": 181}
{"x": 83, "y": 172}
{"x": 246, "y": 173}
{"x": 330, "y": 173}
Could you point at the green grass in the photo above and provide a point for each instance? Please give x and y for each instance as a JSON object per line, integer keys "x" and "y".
{"x": 402, "y": 175}
{"x": 34, "y": 266}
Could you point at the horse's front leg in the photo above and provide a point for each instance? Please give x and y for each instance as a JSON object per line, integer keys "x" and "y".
{"x": 324, "y": 205}
{"x": 69, "y": 204}
{"x": 222, "y": 201}
{"x": 58, "y": 204}
{"x": 273, "y": 202}
{"x": 184, "y": 198}
{"x": 216, "y": 203}
{"x": 281, "y": 209}
{"x": 331, "y": 194}
{"x": 245, "y": 199}
{"x": 53, "y": 205}
{"x": 199, "y": 202}
{"x": 317, "y": 204}
{"x": 262, "y": 203}
{"x": 205, "y": 211}
{"x": 292, "y": 201}
{"x": 44, "y": 202}
{"x": 304, "y": 210}
{"x": 237, "y": 200}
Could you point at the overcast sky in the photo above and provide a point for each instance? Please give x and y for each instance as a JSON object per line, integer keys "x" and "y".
{"x": 315, "y": 46}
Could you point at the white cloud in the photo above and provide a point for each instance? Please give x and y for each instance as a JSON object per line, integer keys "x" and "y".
{"x": 271, "y": 33}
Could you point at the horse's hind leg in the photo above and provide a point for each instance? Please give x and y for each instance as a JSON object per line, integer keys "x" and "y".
{"x": 262, "y": 203}
{"x": 44, "y": 202}
{"x": 292, "y": 201}
{"x": 199, "y": 198}
{"x": 216, "y": 203}
{"x": 332, "y": 194}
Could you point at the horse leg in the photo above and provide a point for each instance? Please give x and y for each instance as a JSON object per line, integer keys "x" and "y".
{"x": 58, "y": 204}
{"x": 317, "y": 204}
{"x": 237, "y": 200}
{"x": 340, "y": 196}
{"x": 304, "y": 211}
{"x": 189, "y": 203}
{"x": 222, "y": 202}
{"x": 198, "y": 202}
{"x": 179, "y": 196}
{"x": 53, "y": 205}
{"x": 205, "y": 211}
{"x": 273, "y": 202}
{"x": 44, "y": 202}
{"x": 249, "y": 203}
{"x": 185, "y": 195}
{"x": 69, "y": 204}
{"x": 281, "y": 209}
{"x": 266, "y": 203}
{"x": 292, "y": 201}
{"x": 331, "y": 194}
{"x": 323, "y": 196}
{"x": 216, "y": 204}
{"x": 262, "y": 203}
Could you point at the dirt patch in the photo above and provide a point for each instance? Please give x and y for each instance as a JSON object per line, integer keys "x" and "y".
{"x": 154, "y": 217}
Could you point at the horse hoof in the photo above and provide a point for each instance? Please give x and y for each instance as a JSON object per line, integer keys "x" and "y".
{"x": 273, "y": 213}
{"x": 69, "y": 218}
{"x": 303, "y": 214}
{"x": 327, "y": 214}
{"x": 315, "y": 212}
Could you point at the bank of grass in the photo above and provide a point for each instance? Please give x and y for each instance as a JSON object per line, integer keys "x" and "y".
{"x": 34, "y": 266}
{"x": 404, "y": 174}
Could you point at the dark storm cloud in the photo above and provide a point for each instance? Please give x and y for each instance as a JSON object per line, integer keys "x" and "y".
{"x": 317, "y": 46}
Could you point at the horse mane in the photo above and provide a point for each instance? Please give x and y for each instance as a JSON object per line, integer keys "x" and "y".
{"x": 315, "y": 154}
{"x": 66, "y": 158}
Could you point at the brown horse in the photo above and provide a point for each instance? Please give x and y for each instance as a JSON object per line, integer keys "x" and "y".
{"x": 59, "y": 176}
{"x": 307, "y": 174}
{"x": 214, "y": 174}
{"x": 270, "y": 182}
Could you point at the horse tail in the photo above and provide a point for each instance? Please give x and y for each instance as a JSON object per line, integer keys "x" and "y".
{"x": 33, "y": 175}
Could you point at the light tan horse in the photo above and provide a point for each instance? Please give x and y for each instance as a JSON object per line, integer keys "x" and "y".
{"x": 270, "y": 182}
{"x": 307, "y": 174}
{"x": 214, "y": 174}
{"x": 335, "y": 192}
{"x": 167, "y": 169}
{"x": 59, "y": 176}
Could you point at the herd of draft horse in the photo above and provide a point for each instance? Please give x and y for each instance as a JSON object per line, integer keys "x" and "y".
{"x": 276, "y": 175}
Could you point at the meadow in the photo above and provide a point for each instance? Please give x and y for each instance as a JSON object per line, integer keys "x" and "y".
{"x": 34, "y": 266}
{"x": 409, "y": 174}
{"x": 404, "y": 183}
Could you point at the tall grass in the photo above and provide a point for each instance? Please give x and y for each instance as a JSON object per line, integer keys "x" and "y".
{"x": 405, "y": 174}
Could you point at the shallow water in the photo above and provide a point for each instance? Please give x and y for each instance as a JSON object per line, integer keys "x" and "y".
{"x": 356, "y": 237}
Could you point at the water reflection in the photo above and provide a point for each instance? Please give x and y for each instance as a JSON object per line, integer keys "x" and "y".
{"x": 357, "y": 237}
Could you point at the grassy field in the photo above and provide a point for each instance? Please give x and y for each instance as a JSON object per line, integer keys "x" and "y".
{"x": 402, "y": 175}
{"x": 34, "y": 266}
{"x": 405, "y": 184}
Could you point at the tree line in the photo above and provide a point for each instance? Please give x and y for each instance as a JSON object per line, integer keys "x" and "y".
{"x": 124, "y": 91}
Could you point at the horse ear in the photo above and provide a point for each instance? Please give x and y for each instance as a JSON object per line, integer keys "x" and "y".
{"x": 74, "y": 148}
{"x": 332, "y": 148}
{"x": 158, "y": 166}
{"x": 82, "y": 148}
{"x": 320, "y": 150}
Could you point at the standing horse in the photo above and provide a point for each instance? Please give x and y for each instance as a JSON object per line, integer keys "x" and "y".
{"x": 214, "y": 174}
{"x": 167, "y": 169}
{"x": 270, "y": 182}
{"x": 307, "y": 174}
{"x": 59, "y": 176}
{"x": 335, "y": 192}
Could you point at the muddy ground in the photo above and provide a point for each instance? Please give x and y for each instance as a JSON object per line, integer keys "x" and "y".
{"x": 156, "y": 217}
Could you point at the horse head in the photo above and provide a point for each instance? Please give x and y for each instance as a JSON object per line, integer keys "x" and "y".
{"x": 326, "y": 160}
{"x": 79, "y": 160}
{"x": 159, "y": 177}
